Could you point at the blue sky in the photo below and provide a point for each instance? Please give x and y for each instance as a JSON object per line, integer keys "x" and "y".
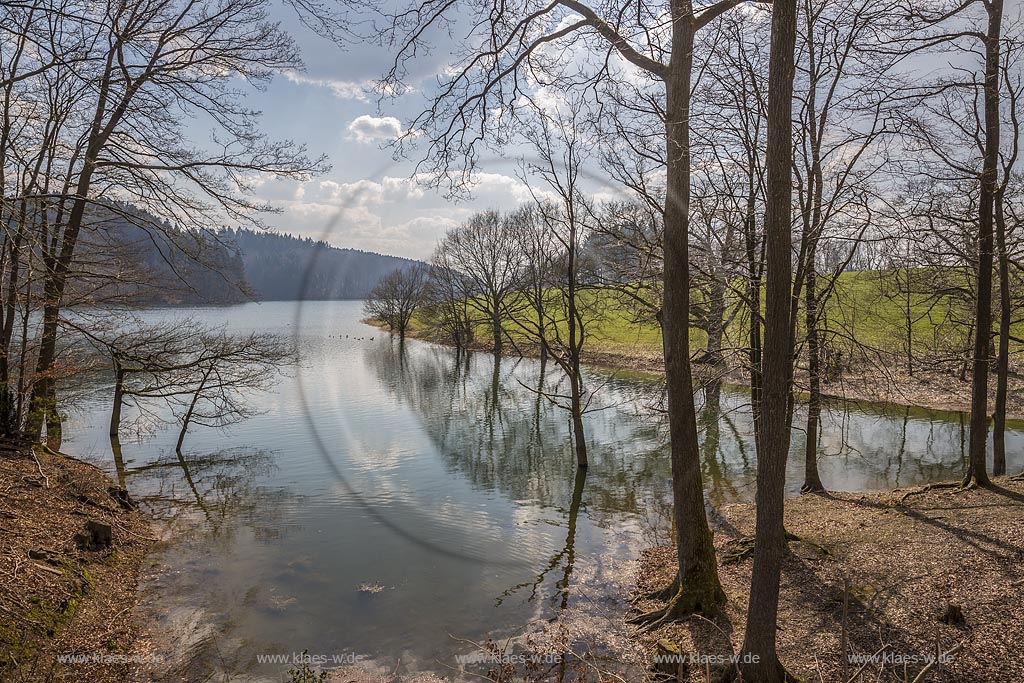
{"x": 368, "y": 200}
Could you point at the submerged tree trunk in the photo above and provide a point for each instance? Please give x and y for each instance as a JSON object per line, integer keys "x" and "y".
{"x": 187, "y": 419}
{"x": 496, "y": 328}
{"x": 760, "y": 662}
{"x": 575, "y": 348}
{"x": 115, "y": 411}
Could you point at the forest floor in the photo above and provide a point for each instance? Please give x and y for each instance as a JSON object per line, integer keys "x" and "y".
{"x": 897, "y": 561}
{"x": 64, "y": 592}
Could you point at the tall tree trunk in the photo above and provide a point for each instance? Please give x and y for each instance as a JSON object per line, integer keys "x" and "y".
{"x": 1003, "y": 354}
{"x": 575, "y": 346}
{"x": 910, "y": 324}
{"x": 716, "y": 322}
{"x": 761, "y": 663}
{"x": 753, "y": 302}
{"x": 976, "y": 464}
{"x": 699, "y": 588}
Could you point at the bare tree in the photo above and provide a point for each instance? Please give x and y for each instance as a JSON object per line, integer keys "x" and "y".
{"x": 559, "y": 141}
{"x": 109, "y": 86}
{"x": 845, "y": 95}
{"x": 504, "y": 45}
{"x": 201, "y": 375}
{"x": 397, "y": 296}
{"x": 482, "y": 251}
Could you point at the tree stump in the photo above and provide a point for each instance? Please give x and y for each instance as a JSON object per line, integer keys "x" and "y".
{"x": 953, "y": 616}
{"x": 98, "y": 535}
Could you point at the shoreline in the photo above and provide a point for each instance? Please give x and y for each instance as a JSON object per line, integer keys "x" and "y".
{"x": 75, "y": 545}
{"x": 926, "y": 390}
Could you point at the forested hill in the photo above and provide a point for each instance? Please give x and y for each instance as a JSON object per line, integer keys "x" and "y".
{"x": 127, "y": 255}
{"x": 283, "y": 267}
{"x": 136, "y": 258}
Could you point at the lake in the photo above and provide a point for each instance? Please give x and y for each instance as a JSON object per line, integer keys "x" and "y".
{"x": 392, "y": 499}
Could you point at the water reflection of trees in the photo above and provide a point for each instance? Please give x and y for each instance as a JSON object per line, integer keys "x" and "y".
{"x": 491, "y": 428}
{"x": 212, "y": 492}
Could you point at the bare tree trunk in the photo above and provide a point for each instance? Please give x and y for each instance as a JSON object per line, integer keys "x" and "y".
{"x": 575, "y": 347}
{"x": 699, "y": 587}
{"x": 187, "y": 419}
{"x": 115, "y": 411}
{"x": 910, "y": 324}
{"x": 716, "y": 322}
{"x": 761, "y": 663}
{"x": 754, "y": 304}
{"x": 496, "y": 328}
{"x": 812, "y": 480}
{"x": 1003, "y": 353}
{"x": 976, "y": 465}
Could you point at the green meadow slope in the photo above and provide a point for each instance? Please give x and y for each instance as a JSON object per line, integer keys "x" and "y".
{"x": 865, "y": 337}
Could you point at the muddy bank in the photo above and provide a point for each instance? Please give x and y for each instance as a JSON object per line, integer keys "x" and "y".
{"x": 70, "y": 559}
{"x": 895, "y": 563}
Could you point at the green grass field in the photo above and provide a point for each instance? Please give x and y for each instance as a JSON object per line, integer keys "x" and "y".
{"x": 867, "y": 309}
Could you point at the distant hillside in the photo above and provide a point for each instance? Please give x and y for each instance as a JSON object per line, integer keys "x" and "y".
{"x": 137, "y": 259}
{"x": 129, "y": 256}
{"x": 283, "y": 267}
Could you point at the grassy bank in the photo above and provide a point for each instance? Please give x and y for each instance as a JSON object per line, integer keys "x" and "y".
{"x": 63, "y": 589}
{"x": 894, "y": 563}
{"x": 865, "y": 339}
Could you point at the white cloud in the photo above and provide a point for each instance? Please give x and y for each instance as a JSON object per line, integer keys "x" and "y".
{"x": 345, "y": 90}
{"x": 374, "y": 128}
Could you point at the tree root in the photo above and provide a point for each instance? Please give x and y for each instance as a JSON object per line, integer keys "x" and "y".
{"x": 661, "y": 594}
{"x": 681, "y": 606}
{"x": 812, "y": 487}
{"x": 930, "y": 487}
{"x": 738, "y": 550}
{"x": 742, "y": 548}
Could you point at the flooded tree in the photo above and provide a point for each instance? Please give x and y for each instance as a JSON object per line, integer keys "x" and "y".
{"x": 197, "y": 374}
{"x": 486, "y": 77}
{"x": 483, "y": 261}
{"x": 558, "y": 298}
{"x": 111, "y": 85}
{"x": 397, "y": 296}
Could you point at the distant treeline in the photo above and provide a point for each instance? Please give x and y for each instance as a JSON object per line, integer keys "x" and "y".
{"x": 228, "y": 266}
{"x": 285, "y": 268}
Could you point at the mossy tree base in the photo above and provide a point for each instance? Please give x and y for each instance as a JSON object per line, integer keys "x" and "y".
{"x": 694, "y": 597}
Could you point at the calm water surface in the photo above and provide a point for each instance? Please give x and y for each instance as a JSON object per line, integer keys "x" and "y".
{"x": 389, "y": 498}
